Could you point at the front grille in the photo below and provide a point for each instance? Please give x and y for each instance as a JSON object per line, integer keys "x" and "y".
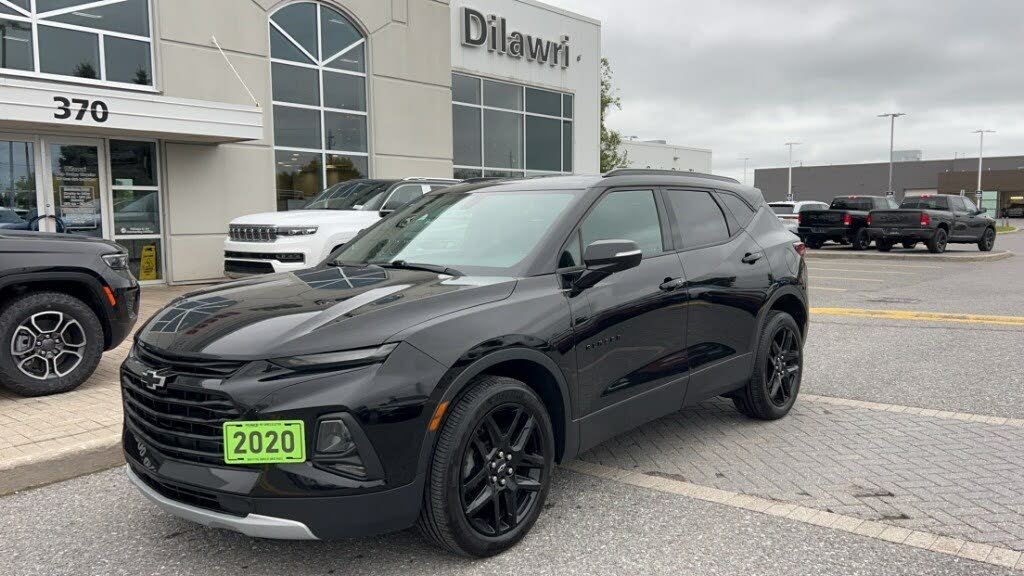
{"x": 175, "y": 419}
{"x": 291, "y": 257}
{"x": 243, "y": 267}
{"x": 252, "y": 232}
{"x": 186, "y": 495}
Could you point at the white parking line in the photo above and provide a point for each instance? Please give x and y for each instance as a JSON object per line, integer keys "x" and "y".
{"x": 827, "y": 288}
{"x": 896, "y": 264}
{"x": 847, "y": 278}
{"x": 873, "y": 271}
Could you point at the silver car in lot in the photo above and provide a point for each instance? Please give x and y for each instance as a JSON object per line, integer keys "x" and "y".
{"x": 789, "y": 212}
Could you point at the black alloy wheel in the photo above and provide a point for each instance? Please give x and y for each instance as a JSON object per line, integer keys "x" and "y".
{"x": 502, "y": 470}
{"x": 937, "y": 245}
{"x": 860, "y": 240}
{"x": 782, "y": 369}
{"x": 778, "y": 368}
{"x": 988, "y": 240}
{"x": 491, "y": 469}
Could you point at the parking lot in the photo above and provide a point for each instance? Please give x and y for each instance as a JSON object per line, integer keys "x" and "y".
{"x": 904, "y": 455}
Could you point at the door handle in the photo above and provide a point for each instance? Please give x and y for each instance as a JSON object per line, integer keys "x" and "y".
{"x": 751, "y": 257}
{"x": 671, "y": 284}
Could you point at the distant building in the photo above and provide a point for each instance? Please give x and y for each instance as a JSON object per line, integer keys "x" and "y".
{"x": 907, "y": 155}
{"x": 1003, "y": 173}
{"x": 661, "y": 155}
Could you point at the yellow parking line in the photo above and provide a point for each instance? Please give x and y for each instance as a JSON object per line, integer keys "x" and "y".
{"x": 895, "y": 264}
{"x": 922, "y": 316}
{"x": 846, "y": 278}
{"x": 873, "y": 271}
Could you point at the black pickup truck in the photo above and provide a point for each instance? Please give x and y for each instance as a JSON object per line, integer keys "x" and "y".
{"x": 935, "y": 220}
{"x": 845, "y": 221}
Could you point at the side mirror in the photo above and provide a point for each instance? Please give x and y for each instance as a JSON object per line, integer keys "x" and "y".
{"x": 606, "y": 257}
{"x": 385, "y": 213}
{"x": 982, "y": 211}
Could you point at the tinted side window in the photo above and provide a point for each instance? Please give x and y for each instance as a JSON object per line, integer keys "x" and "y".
{"x": 968, "y": 205}
{"x": 955, "y": 204}
{"x": 700, "y": 219}
{"x": 740, "y": 209}
{"x": 403, "y": 195}
{"x": 627, "y": 215}
{"x": 571, "y": 254}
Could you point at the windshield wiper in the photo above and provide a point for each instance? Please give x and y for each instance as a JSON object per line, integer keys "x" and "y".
{"x": 403, "y": 265}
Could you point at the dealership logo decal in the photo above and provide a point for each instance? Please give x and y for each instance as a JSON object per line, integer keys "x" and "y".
{"x": 492, "y": 31}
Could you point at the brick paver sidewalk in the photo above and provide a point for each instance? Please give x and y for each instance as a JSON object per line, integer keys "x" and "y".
{"x": 941, "y": 475}
{"x": 34, "y": 432}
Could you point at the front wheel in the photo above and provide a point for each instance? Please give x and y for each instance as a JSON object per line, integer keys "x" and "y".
{"x": 491, "y": 469}
{"x": 860, "y": 240}
{"x": 937, "y": 245}
{"x": 988, "y": 240}
{"x": 883, "y": 245}
{"x": 778, "y": 368}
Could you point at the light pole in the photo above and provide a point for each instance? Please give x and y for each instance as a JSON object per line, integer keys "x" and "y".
{"x": 892, "y": 137}
{"x": 745, "y": 169}
{"x": 981, "y": 152}
{"x": 789, "y": 185}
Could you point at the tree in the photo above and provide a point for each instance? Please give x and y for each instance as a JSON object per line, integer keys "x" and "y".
{"x": 612, "y": 156}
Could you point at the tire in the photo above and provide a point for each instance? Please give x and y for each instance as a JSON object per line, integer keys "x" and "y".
{"x": 883, "y": 245}
{"x": 461, "y": 445}
{"x": 937, "y": 244}
{"x": 25, "y": 325}
{"x": 761, "y": 399}
{"x": 988, "y": 240}
{"x": 860, "y": 240}
{"x": 814, "y": 243}
{"x": 910, "y": 245}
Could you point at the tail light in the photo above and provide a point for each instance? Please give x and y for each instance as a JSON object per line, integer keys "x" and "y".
{"x": 799, "y": 218}
{"x": 847, "y": 220}
{"x": 801, "y": 248}
{"x": 926, "y": 220}
{"x": 869, "y": 219}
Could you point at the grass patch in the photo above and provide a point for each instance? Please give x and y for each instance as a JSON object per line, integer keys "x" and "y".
{"x": 1005, "y": 228}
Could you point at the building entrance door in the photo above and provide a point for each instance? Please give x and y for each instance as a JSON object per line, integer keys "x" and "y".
{"x": 74, "y": 187}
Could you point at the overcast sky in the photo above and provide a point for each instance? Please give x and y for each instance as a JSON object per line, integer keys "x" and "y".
{"x": 743, "y": 77}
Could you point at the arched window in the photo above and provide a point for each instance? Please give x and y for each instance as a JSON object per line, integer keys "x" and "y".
{"x": 318, "y": 60}
{"x": 97, "y": 42}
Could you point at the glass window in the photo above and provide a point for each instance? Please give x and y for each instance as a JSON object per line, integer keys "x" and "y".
{"x": 926, "y": 202}
{"x": 627, "y": 215}
{"x": 128, "y": 61}
{"x": 567, "y": 105}
{"x": 466, "y": 136}
{"x": 69, "y": 52}
{"x": 969, "y": 205}
{"x": 503, "y": 174}
{"x": 145, "y": 258}
{"x": 543, "y": 102}
{"x": 344, "y": 91}
{"x": 739, "y": 208}
{"x": 296, "y": 85}
{"x": 133, "y": 163}
{"x": 502, "y": 95}
{"x": 782, "y": 208}
{"x": 402, "y": 195}
{"x": 503, "y": 146}
{"x": 316, "y": 137}
{"x": 16, "y": 45}
{"x": 852, "y": 203}
{"x": 136, "y": 212}
{"x": 566, "y": 146}
{"x": 128, "y": 17}
{"x": 467, "y": 173}
{"x": 698, "y": 216}
{"x": 17, "y": 185}
{"x": 543, "y": 144}
{"x": 479, "y": 233}
{"x": 465, "y": 89}
{"x": 299, "y": 178}
{"x": 571, "y": 255}
{"x": 351, "y": 195}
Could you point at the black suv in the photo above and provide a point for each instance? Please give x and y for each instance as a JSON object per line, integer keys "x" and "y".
{"x": 434, "y": 369}
{"x": 63, "y": 301}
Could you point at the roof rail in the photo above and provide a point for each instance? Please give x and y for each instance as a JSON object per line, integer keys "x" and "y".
{"x": 653, "y": 172}
{"x": 429, "y": 178}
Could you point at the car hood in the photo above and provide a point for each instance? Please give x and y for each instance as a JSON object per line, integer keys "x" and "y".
{"x": 357, "y": 219}
{"x": 50, "y": 242}
{"x": 323, "y": 309}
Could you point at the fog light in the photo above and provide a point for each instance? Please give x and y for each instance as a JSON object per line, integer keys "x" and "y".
{"x": 334, "y": 438}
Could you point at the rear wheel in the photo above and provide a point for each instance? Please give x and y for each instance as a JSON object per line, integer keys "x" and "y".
{"x": 49, "y": 343}
{"x": 490, "y": 471}
{"x": 910, "y": 245}
{"x": 937, "y": 245}
{"x": 860, "y": 240}
{"x": 883, "y": 245}
{"x": 778, "y": 368}
{"x": 988, "y": 240}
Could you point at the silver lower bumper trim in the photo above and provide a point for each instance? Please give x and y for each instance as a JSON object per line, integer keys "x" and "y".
{"x": 251, "y": 525}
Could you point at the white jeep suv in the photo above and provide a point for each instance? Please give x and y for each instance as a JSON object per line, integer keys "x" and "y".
{"x": 288, "y": 241}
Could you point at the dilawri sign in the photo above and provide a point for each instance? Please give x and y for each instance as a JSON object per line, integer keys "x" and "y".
{"x": 492, "y": 31}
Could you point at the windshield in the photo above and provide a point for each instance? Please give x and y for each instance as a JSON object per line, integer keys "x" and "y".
{"x": 864, "y": 204}
{"x": 925, "y": 203}
{"x": 358, "y": 195}
{"x": 782, "y": 208}
{"x": 485, "y": 234}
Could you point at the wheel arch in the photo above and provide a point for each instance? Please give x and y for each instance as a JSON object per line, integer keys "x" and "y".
{"x": 80, "y": 285}
{"x": 790, "y": 300}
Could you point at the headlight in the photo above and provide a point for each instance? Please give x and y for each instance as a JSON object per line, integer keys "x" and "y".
{"x": 344, "y": 359}
{"x": 118, "y": 261}
{"x": 297, "y": 230}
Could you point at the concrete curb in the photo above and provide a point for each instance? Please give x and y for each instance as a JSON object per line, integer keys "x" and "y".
{"x": 850, "y": 255}
{"x": 1015, "y": 230}
{"x": 68, "y": 462}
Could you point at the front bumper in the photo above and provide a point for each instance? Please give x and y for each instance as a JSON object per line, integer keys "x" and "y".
{"x": 243, "y": 259}
{"x": 121, "y": 318}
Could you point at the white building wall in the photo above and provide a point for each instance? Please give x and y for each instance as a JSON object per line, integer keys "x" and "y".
{"x": 667, "y": 156}
{"x": 582, "y": 77}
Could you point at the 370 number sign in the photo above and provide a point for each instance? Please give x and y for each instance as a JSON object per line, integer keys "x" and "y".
{"x": 79, "y": 107}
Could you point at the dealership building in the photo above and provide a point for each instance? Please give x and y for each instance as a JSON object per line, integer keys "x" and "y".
{"x": 660, "y": 155}
{"x": 1002, "y": 174}
{"x": 153, "y": 123}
